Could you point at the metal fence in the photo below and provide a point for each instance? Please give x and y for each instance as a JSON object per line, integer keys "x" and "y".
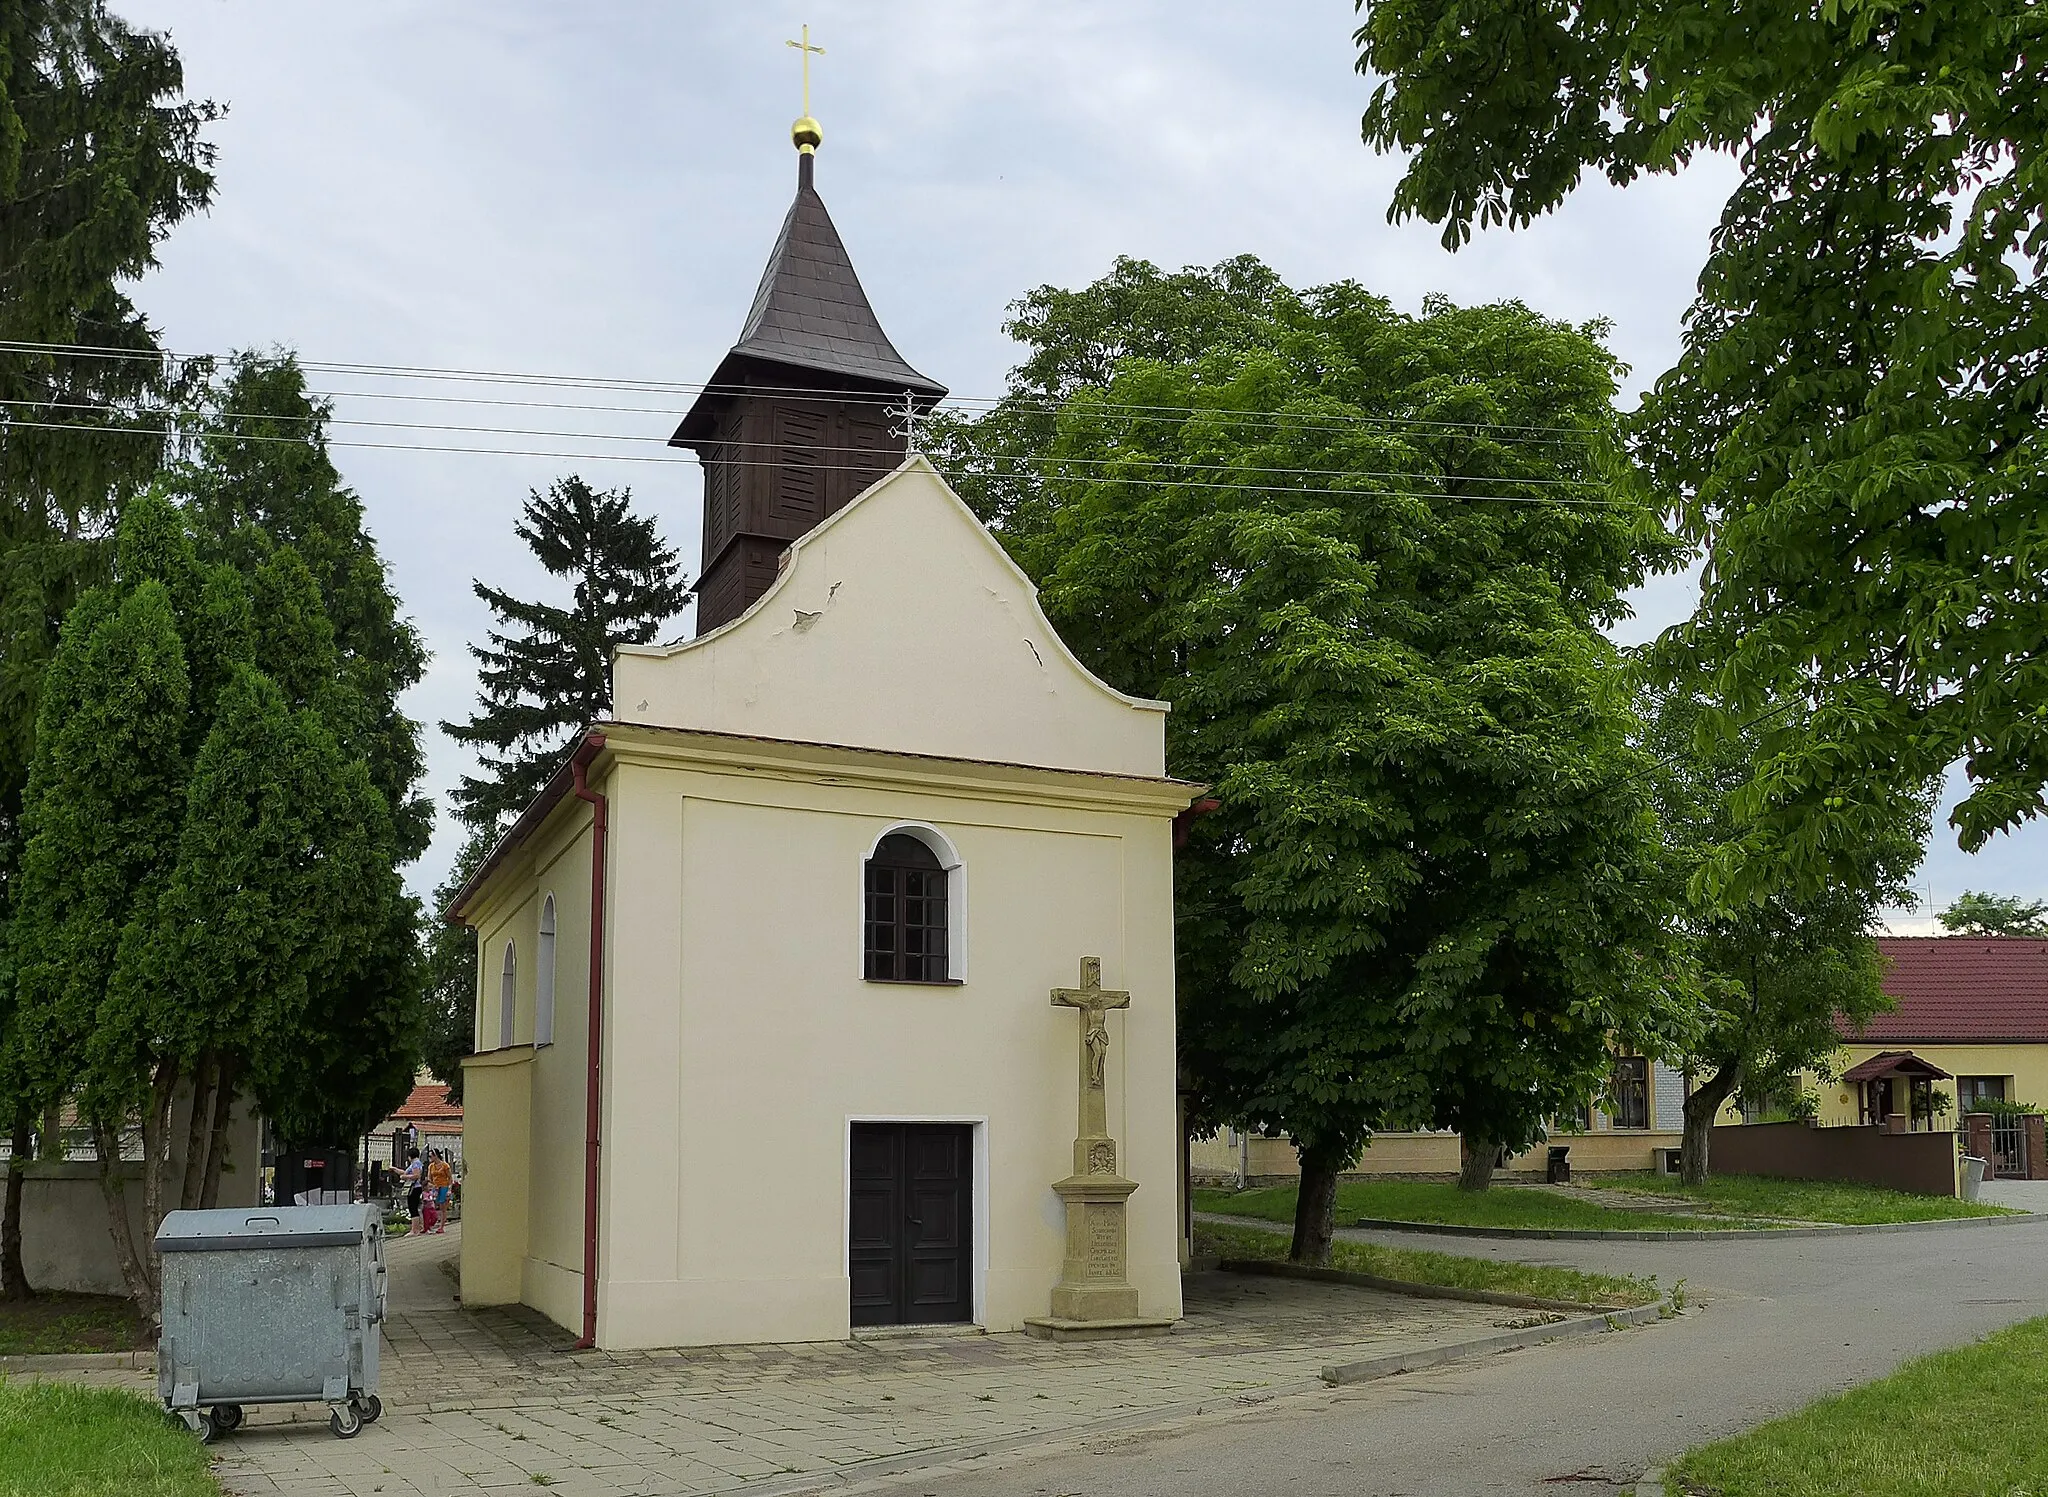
{"x": 2008, "y": 1146}
{"x": 76, "y": 1146}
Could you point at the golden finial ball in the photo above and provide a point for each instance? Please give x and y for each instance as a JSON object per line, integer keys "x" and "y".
{"x": 807, "y": 133}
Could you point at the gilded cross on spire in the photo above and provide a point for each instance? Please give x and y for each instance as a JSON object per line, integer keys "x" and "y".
{"x": 806, "y": 132}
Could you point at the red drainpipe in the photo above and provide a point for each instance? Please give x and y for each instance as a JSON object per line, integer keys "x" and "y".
{"x": 593, "y": 1090}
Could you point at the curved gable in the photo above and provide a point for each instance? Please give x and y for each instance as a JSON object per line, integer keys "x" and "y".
{"x": 900, "y": 623}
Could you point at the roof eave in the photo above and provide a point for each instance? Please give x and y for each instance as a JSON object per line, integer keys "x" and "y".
{"x": 742, "y": 373}
{"x": 558, "y": 786}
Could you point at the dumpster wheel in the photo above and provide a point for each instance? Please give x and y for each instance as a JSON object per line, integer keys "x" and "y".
{"x": 345, "y": 1421}
{"x": 371, "y": 1407}
{"x": 200, "y": 1422}
{"x": 227, "y": 1418}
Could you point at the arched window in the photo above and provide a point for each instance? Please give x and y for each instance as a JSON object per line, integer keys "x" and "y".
{"x": 508, "y": 995}
{"x": 544, "y": 978}
{"x": 906, "y": 920}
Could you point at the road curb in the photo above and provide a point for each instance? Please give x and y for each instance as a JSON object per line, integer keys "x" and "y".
{"x": 1734, "y": 1234}
{"x": 1652, "y": 1484}
{"x": 81, "y": 1361}
{"x": 1281, "y": 1269}
{"x": 1590, "y": 1325}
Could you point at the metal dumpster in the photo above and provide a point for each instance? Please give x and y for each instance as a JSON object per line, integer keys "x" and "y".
{"x": 271, "y": 1304}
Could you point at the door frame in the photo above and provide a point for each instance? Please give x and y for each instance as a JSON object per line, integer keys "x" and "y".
{"x": 979, "y": 1192}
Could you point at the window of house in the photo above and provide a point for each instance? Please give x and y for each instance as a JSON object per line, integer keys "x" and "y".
{"x": 1978, "y": 1089}
{"x": 508, "y": 995}
{"x": 544, "y": 977}
{"x": 1632, "y": 1092}
{"x": 906, "y": 927}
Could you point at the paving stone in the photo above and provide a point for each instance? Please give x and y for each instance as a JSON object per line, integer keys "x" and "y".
{"x": 458, "y": 1385}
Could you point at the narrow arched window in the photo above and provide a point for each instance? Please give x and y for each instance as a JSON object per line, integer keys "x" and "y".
{"x": 508, "y": 995}
{"x": 544, "y": 977}
{"x": 906, "y": 913}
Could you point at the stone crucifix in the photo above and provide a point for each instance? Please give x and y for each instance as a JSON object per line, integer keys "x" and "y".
{"x": 1093, "y": 1296}
{"x": 1092, "y": 1000}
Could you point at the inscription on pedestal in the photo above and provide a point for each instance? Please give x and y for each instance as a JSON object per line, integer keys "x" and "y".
{"x": 1106, "y": 1241}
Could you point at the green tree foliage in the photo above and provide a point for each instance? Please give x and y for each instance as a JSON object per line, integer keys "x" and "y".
{"x": 1366, "y": 557}
{"x": 546, "y": 672}
{"x": 1976, "y": 914}
{"x": 1854, "y": 429}
{"x": 209, "y": 890}
{"x": 100, "y": 155}
{"x": 256, "y": 476}
{"x": 1780, "y": 972}
{"x": 450, "y": 957}
{"x": 100, "y": 829}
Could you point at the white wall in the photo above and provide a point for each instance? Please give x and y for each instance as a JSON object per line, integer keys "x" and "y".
{"x": 898, "y": 624}
{"x": 742, "y": 1028}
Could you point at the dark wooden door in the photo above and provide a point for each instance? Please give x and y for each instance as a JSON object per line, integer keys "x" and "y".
{"x": 911, "y": 1227}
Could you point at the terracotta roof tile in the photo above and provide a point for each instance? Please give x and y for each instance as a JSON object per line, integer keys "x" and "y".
{"x": 428, "y": 1104}
{"x": 1963, "y": 989}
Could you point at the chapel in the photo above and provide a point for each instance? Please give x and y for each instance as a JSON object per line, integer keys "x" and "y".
{"x": 830, "y": 985}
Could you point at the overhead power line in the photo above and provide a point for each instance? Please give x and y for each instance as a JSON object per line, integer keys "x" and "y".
{"x": 1508, "y": 431}
{"x": 166, "y": 434}
{"x": 1062, "y": 460}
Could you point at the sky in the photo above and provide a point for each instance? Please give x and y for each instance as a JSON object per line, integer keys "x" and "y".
{"x": 590, "y": 191}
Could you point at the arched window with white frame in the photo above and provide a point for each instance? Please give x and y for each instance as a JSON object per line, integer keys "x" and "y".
{"x": 913, "y": 908}
{"x": 544, "y": 977}
{"x": 508, "y": 995}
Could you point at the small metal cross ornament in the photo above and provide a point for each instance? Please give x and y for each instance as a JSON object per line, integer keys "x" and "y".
{"x": 908, "y": 422}
{"x": 808, "y": 51}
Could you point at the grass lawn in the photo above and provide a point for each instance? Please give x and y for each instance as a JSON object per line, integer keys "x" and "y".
{"x": 1959, "y": 1422}
{"x": 1807, "y": 1200}
{"x": 68, "y": 1323}
{"x": 1434, "y": 1201}
{"x": 1416, "y": 1266}
{"x": 57, "y": 1440}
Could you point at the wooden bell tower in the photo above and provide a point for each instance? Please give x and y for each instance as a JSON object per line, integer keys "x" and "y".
{"x": 796, "y": 421}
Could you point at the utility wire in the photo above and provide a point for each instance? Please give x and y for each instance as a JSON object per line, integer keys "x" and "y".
{"x": 817, "y": 447}
{"x": 1015, "y": 402}
{"x": 164, "y": 434}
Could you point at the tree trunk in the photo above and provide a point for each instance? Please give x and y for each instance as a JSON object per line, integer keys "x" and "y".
{"x": 198, "y": 1131}
{"x": 1315, "y": 1209}
{"x": 156, "y": 1168}
{"x": 1701, "y": 1107}
{"x": 114, "y": 1191}
{"x": 1475, "y": 1168}
{"x": 14, "y": 1283}
{"x": 217, "y": 1139}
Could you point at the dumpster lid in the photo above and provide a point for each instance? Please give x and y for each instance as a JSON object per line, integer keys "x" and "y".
{"x": 248, "y": 1227}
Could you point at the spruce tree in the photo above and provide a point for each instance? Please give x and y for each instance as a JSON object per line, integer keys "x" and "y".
{"x": 546, "y": 671}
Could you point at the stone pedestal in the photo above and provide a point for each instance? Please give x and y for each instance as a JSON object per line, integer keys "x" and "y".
{"x": 1094, "y": 1300}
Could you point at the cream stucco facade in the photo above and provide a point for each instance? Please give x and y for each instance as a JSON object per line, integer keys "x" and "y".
{"x": 2019, "y": 1070}
{"x": 898, "y": 675}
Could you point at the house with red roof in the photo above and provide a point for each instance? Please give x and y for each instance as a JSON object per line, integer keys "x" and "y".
{"x": 1969, "y": 1025}
{"x": 427, "y": 1115}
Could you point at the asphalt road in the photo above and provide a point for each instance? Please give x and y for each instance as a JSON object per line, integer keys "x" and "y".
{"x": 1777, "y": 1324}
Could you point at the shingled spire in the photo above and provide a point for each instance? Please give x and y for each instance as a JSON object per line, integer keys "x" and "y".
{"x": 794, "y": 422}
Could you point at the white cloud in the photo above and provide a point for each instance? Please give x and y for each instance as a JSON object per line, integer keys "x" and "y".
{"x": 593, "y": 190}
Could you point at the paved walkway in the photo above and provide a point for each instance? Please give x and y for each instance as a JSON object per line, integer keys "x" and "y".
{"x": 494, "y": 1400}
